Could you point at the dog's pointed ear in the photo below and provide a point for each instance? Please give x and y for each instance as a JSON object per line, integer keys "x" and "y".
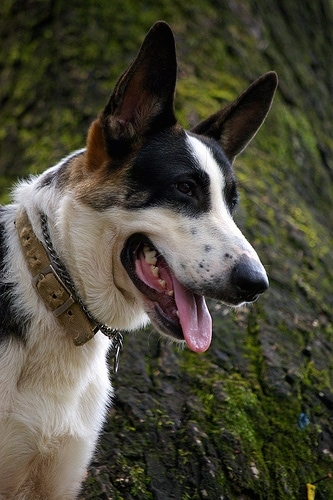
{"x": 143, "y": 99}
{"x": 235, "y": 125}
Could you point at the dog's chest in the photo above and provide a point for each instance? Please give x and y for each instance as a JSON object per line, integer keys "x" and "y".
{"x": 56, "y": 387}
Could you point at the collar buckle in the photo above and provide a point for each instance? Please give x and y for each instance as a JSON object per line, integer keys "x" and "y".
{"x": 49, "y": 269}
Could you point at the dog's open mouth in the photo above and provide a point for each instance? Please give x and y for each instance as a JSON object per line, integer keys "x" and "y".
{"x": 172, "y": 308}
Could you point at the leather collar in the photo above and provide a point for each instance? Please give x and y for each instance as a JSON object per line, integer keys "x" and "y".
{"x": 60, "y": 298}
{"x": 55, "y": 294}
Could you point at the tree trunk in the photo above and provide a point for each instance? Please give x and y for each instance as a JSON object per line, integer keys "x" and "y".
{"x": 252, "y": 417}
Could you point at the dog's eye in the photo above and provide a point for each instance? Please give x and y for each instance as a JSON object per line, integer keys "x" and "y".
{"x": 185, "y": 188}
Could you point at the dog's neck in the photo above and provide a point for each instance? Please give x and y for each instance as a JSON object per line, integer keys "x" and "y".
{"x": 53, "y": 283}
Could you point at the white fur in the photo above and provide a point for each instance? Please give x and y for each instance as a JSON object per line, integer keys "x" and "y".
{"x": 54, "y": 395}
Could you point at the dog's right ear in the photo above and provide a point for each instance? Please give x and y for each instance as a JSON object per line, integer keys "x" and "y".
{"x": 143, "y": 99}
{"x": 235, "y": 125}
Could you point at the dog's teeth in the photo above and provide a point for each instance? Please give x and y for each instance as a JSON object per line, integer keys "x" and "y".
{"x": 154, "y": 270}
{"x": 170, "y": 293}
{"x": 162, "y": 283}
{"x": 177, "y": 313}
{"x": 150, "y": 255}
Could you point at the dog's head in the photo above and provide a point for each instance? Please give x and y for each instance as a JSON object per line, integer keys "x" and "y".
{"x": 167, "y": 197}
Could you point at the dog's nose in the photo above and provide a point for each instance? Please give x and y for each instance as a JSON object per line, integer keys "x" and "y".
{"x": 250, "y": 278}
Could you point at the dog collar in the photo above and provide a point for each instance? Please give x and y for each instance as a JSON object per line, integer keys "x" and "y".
{"x": 52, "y": 281}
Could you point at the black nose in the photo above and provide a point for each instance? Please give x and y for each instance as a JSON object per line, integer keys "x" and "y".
{"x": 250, "y": 279}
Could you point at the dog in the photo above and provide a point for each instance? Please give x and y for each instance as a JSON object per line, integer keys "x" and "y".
{"x": 136, "y": 227}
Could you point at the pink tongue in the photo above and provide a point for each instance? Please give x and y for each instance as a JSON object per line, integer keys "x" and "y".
{"x": 194, "y": 318}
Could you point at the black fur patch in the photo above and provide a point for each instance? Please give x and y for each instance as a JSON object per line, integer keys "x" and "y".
{"x": 166, "y": 172}
{"x": 10, "y": 324}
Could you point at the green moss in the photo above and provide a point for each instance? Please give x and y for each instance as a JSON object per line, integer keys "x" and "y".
{"x": 238, "y": 416}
